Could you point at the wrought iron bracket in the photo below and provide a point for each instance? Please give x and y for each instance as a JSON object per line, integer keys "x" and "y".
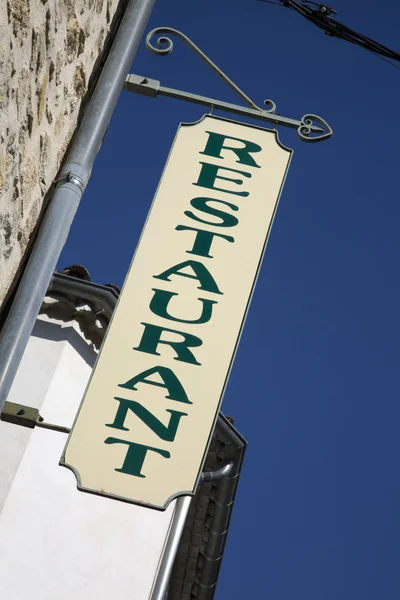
{"x": 310, "y": 128}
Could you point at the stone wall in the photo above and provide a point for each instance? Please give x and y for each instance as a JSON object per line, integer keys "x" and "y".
{"x": 49, "y": 49}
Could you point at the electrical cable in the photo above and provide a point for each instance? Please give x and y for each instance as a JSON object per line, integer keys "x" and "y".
{"x": 321, "y": 17}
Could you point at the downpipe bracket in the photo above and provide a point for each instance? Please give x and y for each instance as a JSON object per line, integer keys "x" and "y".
{"x": 75, "y": 174}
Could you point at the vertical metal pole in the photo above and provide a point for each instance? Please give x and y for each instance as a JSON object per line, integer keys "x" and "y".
{"x": 160, "y": 585}
{"x": 60, "y": 213}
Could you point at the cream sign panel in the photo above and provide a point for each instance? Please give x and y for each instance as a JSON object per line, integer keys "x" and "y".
{"x": 145, "y": 422}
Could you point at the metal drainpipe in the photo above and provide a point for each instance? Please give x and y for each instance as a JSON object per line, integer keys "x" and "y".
{"x": 161, "y": 581}
{"x": 218, "y": 474}
{"x": 71, "y": 184}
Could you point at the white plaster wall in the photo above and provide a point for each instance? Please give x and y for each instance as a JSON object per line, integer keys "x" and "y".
{"x": 30, "y": 387}
{"x": 57, "y": 543}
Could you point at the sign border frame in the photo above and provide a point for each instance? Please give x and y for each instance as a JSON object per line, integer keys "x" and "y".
{"x": 62, "y": 462}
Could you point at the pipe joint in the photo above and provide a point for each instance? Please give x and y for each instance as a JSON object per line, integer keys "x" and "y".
{"x": 75, "y": 174}
{"x": 218, "y": 474}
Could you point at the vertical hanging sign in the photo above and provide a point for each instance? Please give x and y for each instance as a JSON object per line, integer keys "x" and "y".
{"x": 149, "y": 410}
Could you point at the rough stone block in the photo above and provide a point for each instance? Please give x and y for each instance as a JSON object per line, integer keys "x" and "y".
{"x": 48, "y": 52}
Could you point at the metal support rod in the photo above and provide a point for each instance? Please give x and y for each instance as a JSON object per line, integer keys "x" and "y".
{"x": 52, "y": 427}
{"x": 260, "y": 115}
{"x": 160, "y": 585}
{"x": 59, "y": 215}
{"x": 310, "y": 128}
{"x": 164, "y": 46}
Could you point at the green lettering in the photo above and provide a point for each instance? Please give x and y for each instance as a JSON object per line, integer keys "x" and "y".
{"x": 165, "y": 432}
{"x": 209, "y": 173}
{"x": 227, "y": 220}
{"x": 151, "y": 338}
{"x": 203, "y": 240}
{"x": 159, "y": 304}
{"x": 135, "y": 456}
{"x": 201, "y": 273}
{"x": 216, "y": 143}
{"x": 170, "y": 382}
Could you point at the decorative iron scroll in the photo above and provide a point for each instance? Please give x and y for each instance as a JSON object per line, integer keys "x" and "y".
{"x": 164, "y": 45}
{"x": 311, "y": 128}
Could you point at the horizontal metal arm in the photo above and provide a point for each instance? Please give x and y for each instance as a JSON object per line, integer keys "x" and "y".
{"x": 28, "y": 416}
{"x": 310, "y": 128}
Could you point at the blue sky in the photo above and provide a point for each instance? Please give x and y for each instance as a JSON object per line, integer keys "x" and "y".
{"x": 315, "y": 385}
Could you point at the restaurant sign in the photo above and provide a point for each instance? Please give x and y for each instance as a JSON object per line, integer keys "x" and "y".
{"x": 149, "y": 411}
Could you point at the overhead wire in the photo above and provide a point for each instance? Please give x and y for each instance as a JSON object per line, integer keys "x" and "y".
{"x": 270, "y": 2}
{"x": 321, "y": 17}
{"x": 386, "y": 60}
